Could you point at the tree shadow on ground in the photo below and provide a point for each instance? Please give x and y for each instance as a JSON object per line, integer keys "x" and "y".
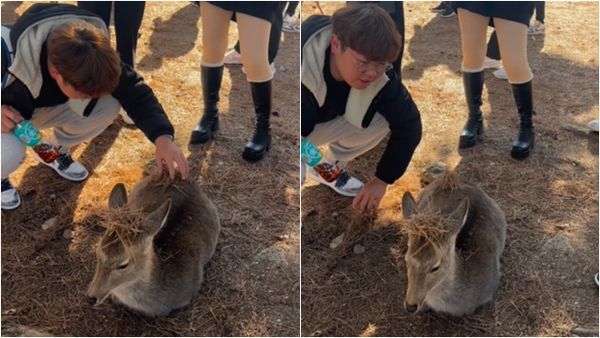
{"x": 181, "y": 29}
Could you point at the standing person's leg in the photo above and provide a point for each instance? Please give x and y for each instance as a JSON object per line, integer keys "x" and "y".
{"x": 100, "y": 8}
{"x": 538, "y": 26}
{"x": 398, "y": 17}
{"x": 128, "y": 19}
{"x": 473, "y": 29}
{"x": 512, "y": 38}
{"x": 215, "y": 29}
{"x": 291, "y": 8}
{"x": 493, "y": 51}
{"x": 540, "y": 11}
{"x": 254, "y": 41}
{"x": 275, "y": 32}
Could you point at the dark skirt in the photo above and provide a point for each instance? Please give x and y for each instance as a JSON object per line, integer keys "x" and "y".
{"x": 258, "y": 9}
{"x": 516, "y": 11}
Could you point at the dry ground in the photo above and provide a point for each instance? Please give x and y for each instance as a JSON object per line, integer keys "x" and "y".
{"x": 550, "y": 200}
{"x": 252, "y": 283}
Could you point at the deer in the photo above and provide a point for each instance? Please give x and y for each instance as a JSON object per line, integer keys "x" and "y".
{"x": 152, "y": 255}
{"x": 456, "y": 236}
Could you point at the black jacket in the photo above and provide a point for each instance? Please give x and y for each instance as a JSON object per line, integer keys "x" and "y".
{"x": 393, "y": 101}
{"x": 136, "y": 98}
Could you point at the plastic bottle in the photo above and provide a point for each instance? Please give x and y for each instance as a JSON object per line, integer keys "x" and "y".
{"x": 312, "y": 155}
{"x": 30, "y": 136}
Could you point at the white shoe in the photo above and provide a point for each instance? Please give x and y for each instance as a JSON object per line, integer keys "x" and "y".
{"x": 336, "y": 178}
{"x": 491, "y": 63}
{"x": 536, "y": 29}
{"x": 232, "y": 58}
{"x": 126, "y": 117}
{"x": 10, "y": 197}
{"x": 500, "y": 74}
{"x": 291, "y": 24}
{"x": 66, "y": 167}
{"x": 593, "y": 125}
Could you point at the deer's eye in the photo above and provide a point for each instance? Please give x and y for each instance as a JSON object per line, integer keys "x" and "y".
{"x": 435, "y": 268}
{"x": 123, "y": 265}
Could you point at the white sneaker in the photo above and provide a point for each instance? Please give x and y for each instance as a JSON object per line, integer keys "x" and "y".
{"x": 336, "y": 178}
{"x": 491, "y": 63}
{"x": 291, "y": 24}
{"x": 66, "y": 167}
{"x": 126, "y": 117}
{"x": 10, "y": 196}
{"x": 500, "y": 74}
{"x": 232, "y": 58}
{"x": 593, "y": 125}
{"x": 536, "y": 29}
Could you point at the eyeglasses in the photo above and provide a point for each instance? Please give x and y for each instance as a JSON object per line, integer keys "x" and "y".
{"x": 364, "y": 66}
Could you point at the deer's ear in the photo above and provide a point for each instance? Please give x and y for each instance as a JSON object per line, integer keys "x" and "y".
{"x": 158, "y": 218}
{"x": 118, "y": 196}
{"x": 458, "y": 217}
{"x": 409, "y": 206}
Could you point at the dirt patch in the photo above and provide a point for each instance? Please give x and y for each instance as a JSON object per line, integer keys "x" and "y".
{"x": 252, "y": 283}
{"x": 550, "y": 200}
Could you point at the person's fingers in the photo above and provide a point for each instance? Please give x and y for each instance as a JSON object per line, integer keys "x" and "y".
{"x": 357, "y": 199}
{"x": 364, "y": 202}
{"x": 159, "y": 164}
{"x": 7, "y": 125}
{"x": 373, "y": 203}
{"x": 183, "y": 166}
{"x": 171, "y": 168}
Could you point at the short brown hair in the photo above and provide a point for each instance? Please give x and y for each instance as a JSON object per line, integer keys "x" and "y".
{"x": 369, "y": 30}
{"x": 82, "y": 54}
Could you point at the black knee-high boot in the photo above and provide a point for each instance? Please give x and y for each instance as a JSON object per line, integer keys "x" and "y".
{"x": 209, "y": 123}
{"x": 261, "y": 141}
{"x": 523, "y": 144}
{"x": 473, "y": 129}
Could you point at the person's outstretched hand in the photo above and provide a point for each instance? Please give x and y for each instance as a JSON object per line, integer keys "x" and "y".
{"x": 168, "y": 154}
{"x": 369, "y": 197}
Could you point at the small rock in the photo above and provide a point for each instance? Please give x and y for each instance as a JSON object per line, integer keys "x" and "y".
{"x": 282, "y": 237}
{"x": 49, "y": 223}
{"x": 336, "y": 241}
{"x": 52, "y": 196}
{"x": 562, "y": 226}
{"x": 9, "y": 312}
{"x": 584, "y": 332}
{"x": 68, "y": 234}
{"x": 359, "y": 249}
{"x": 335, "y": 214}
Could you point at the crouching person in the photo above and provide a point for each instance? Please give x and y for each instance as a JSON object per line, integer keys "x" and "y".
{"x": 64, "y": 75}
{"x": 352, "y": 99}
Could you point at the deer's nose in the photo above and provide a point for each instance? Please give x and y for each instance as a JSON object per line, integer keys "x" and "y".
{"x": 410, "y": 307}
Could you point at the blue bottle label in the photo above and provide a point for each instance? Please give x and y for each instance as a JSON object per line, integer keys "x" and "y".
{"x": 311, "y": 155}
{"x": 27, "y": 133}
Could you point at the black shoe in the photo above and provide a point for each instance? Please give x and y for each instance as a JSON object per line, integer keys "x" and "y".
{"x": 471, "y": 133}
{"x": 523, "y": 144}
{"x": 448, "y": 12}
{"x": 439, "y": 8}
{"x": 473, "y": 130}
{"x": 209, "y": 123}
{"x": 260, "y": 143}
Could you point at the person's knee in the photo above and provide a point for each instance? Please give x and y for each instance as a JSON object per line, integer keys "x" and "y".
{"x": 519, "y": 73}
{"x": 13, "y": 153}
{"x": 257, "y": 70}
{"x": 107, "y": 109}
